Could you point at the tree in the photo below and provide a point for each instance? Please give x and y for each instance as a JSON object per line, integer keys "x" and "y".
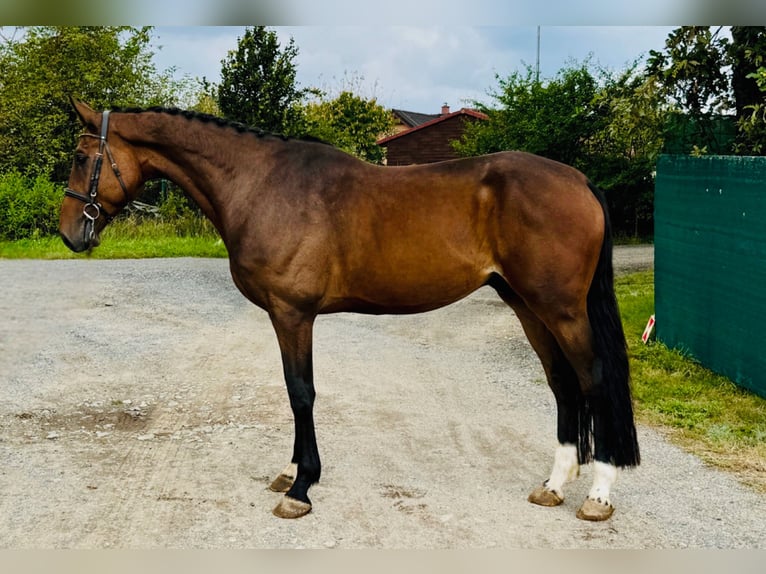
{"x": 206, "y": 101}
{"x": 258, "y": 83}
{"x": 350, "y": 123}
{"x": 608, "y": 126}
{"x": 551, "y": 119}
{"x": 692, "y": 73}
{"x": 752, "y": 127}
{"x": 692, "y": 69}
{"x": 748, "y": 62}
{"x": 707, "y": 76}
{"x": 42, "y": 66}
{"x": 747, "y": 52}
{"x": 625, "y": 149}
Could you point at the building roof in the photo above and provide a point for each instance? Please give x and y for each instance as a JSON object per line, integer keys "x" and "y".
{"x": 414, "y": 119}
{"x": 435, "y": 120}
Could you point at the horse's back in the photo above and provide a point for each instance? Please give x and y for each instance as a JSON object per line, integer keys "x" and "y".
{"x": 408, "y": 239}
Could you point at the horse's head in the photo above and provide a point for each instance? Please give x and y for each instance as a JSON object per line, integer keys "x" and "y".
{"x": 105, "y": 177}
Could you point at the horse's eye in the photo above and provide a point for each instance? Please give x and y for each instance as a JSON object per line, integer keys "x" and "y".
{"x": 80, "y": 158}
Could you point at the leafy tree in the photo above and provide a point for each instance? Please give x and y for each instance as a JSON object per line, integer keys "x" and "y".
{"x": 692, "y": 73}
{"x": 747, "y": 52}
{"x": 551, "y": 119}
{"x": 350, "y": 123}
{"x": 609, "y": 127}
{"x": 258, "y": 83}
{"x": 625, "y": 149}
{"x": 42, "y": 66}
{"x": 692, "y": 69}
{"x": 634, "y": 113}
{"x": 752, "y": 127}
{"x": 206, "y": 101}
{"x": 748, "y": 61}
{"x": 707, "y": 76}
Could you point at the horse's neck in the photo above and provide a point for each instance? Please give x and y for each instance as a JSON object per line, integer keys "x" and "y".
{"x": 199, "y": 158}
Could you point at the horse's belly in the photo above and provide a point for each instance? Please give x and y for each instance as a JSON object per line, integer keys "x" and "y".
{"x": 407, "y": 288}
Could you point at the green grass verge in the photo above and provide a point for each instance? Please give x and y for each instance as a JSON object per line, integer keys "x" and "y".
{"x": 123, "y": 239}
{"x": 115, "y": 248}
{"x": 704, "y": 412}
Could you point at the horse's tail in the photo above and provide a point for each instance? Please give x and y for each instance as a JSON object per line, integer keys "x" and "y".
{"x": 608, "y": 409}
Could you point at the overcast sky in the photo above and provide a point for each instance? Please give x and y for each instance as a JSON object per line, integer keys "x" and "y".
{"x": 414, "y": 68}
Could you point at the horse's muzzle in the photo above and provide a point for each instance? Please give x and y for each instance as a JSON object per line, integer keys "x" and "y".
{"x": 76, "y": 247}
{"x": 81, "y": 242}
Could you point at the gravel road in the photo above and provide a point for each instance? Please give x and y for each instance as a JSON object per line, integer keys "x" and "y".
{"x": 142, "y": 406}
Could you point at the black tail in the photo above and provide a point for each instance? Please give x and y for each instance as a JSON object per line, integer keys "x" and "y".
{"x": 608, "y": 411}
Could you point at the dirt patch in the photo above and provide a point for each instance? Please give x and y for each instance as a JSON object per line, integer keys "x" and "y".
{"x": 86, "y": 419}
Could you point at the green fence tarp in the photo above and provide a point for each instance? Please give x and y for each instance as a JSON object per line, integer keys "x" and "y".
{"x": 710, "y": 263}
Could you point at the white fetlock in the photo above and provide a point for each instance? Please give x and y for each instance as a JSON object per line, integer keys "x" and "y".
{"x": 565, "y": 468}
{"x": 604, "y": 477}
{"x": 597, "y": 505}
{"x": 286, "y": 478}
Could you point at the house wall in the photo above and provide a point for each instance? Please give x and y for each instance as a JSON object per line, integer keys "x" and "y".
{"x": 427, "y": 145}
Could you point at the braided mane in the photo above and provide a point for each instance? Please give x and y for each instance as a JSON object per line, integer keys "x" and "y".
{"x": 215, "y": 120}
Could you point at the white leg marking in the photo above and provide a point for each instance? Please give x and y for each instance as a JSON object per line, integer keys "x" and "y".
{"x": 291, "y": 470}
{"x": 565, "y": 468}
{"x": 604, "y": 476}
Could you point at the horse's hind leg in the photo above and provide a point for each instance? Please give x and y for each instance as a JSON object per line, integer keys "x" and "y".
{"x": 563, "y": 382}
{"x": 565, "y": 348}
{"x": 574, "y": 336}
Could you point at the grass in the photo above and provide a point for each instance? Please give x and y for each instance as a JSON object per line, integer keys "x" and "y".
{"x": 124, "y": 239}
{"x": 703, "y": 412}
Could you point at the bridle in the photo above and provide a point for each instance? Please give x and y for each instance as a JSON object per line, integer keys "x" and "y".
{"x": 92, "y": 209}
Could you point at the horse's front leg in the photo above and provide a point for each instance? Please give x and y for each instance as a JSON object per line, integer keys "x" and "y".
{"x": 294, "y": 332}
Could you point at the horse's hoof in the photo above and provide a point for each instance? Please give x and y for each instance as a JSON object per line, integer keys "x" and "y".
{"x": 291, "y": 508}
{"x": 544, "y": 497}
{"x": 595, "y": 510}
{"x": 282, "y": 483}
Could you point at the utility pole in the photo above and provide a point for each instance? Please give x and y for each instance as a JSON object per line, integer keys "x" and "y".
{"x": 537, "y": 68}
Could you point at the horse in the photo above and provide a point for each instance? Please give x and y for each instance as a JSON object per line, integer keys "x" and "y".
{"x": 311, "y": 230}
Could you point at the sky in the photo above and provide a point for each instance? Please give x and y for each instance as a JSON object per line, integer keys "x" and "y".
{"x": 414, "y": 68}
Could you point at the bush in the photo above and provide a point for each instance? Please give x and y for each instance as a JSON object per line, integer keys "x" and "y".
{"x": 29, "y": 208}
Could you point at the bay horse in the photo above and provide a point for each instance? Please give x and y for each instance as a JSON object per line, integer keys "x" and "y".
{"x": 310, "y": 229}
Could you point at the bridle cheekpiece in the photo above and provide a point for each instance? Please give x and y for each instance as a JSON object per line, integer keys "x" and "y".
{"x": 92, "y": 209}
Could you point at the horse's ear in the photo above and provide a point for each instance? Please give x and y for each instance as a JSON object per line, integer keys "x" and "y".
{"x": 87, "y": 115}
